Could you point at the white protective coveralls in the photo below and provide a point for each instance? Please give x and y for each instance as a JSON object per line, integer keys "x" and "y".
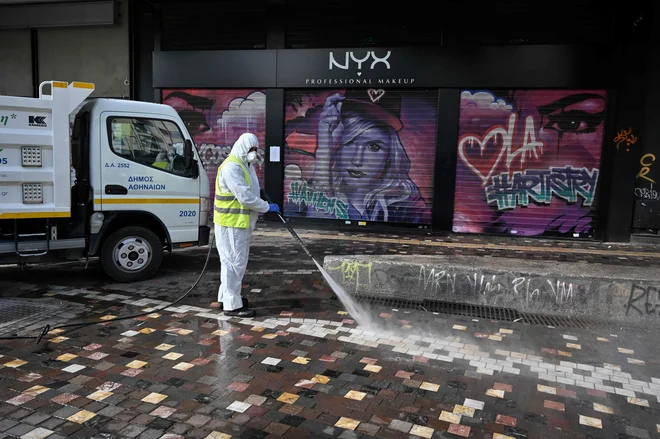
{"x": 234, "y": 243}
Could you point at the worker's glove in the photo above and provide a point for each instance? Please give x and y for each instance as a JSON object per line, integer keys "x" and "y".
{"x": 272, "y": 207}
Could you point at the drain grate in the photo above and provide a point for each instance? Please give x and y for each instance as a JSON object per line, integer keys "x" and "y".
{"x": 559, "y": 321}
{"x": 15, "y": 311}
{"x": 471, "y": 310}
{"x": 494, "y": 313}
{"x": 390, "y": 303}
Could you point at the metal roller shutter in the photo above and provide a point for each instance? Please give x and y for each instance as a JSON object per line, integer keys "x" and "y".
{"x": 528, "y": 162}
{"x": 214, "y": 25}
{"x": 347, "y": 23}
{"x": 378, "y": 167}
{"x": 566, "y": 22}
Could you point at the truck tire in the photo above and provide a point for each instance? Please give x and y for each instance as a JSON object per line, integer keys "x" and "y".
{"x": 131, "y": 254}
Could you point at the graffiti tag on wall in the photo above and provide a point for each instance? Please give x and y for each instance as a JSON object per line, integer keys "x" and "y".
{"x": 625, "y": 137}
{"x": 527, "y": 290}
{"x": 646, "y": 161}
{"x": 497, "y": 134}
{"x": 301, "y": 194}
{"x": 354, "y": 273}
{"x": 529, "y": 161}
{"x": 464, "y": 285}
{"x": 643, "y": 301}
{"x": 541, "y": 185}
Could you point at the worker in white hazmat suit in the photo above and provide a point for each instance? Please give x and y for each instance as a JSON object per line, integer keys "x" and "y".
{"x": 237, "y": 206}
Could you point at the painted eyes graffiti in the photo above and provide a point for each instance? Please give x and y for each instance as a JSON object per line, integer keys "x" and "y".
{"x": 575, "y": 121}
{"x": 195, "y": 121}
{"x": 372, "y": 146}
{"x": 583, "y": 116}
{"x": 194, "y": 117}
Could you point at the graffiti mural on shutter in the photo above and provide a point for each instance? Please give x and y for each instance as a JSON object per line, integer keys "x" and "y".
{"x": 528, "y": 162}
{"x": 216, "y": 119}
{"x": 360, "y": 155}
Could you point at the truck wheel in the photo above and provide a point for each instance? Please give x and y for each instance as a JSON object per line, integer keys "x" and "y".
{"x": 131, "y": 254}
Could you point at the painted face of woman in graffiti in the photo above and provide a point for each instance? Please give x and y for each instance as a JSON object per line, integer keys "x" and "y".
{"x": 567, "y": 120}
{"x": 363, "y": 156}
{"x": 360, "y": 161}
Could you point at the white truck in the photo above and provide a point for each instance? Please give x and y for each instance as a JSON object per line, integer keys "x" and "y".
{"x": 127, "y": 184}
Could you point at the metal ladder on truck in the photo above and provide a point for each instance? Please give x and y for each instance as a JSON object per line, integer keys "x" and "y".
{"x": 21, "y": 238}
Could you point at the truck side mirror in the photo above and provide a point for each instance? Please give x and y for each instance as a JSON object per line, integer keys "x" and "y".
{"x": 189, "y": 158}
{"x": 194, "y": 170}
{"x": 188, "y": 154}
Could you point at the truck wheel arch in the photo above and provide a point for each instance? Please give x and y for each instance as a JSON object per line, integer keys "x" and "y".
{"x": 118, "y": 219}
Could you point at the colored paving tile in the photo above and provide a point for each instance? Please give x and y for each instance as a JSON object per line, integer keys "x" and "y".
{"x": 506, "y": 420}
{"x": 81, "y": 416}
{"x": 591, "y": 422}
{"x": 553, "y": 405}
{"x": 347, "y": 423}
{"x": 459, "y": 430}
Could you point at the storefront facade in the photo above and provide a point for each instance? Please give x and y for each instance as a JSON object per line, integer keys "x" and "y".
{"x": 507, "y": 140}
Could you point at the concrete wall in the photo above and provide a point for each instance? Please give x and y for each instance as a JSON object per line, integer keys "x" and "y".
{"x": 91, "y": 54}
{"x": 596, "y": 291}
{"x": 15, "y": 63}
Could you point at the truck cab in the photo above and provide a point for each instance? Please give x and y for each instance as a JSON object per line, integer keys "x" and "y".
{"x": 127, "y": 186}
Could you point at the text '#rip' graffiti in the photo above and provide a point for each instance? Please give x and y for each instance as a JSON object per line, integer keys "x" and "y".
{"x": 300, "y": 193}
{"x": 541, "y": 185}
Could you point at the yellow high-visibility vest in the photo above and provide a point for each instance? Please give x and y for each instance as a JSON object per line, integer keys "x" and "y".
{"x": 160, "y": 165}
{"x": 228, "y": 211}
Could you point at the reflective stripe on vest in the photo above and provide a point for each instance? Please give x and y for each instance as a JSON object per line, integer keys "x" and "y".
{"x": 229, "y": 212}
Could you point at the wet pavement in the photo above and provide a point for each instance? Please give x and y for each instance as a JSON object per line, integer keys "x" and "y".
{"x": 302, "y": 368}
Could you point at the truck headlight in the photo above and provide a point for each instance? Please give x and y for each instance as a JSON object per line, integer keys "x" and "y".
{"x": 204, "y": 206}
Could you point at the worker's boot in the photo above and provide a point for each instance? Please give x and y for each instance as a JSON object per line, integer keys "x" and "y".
{"x": 241, "y": 312}
{"x": 218, "y": 305}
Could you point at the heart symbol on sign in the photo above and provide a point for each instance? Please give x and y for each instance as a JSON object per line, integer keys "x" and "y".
{"x": 375, "y": 95}
{"x": 359, "y": 73}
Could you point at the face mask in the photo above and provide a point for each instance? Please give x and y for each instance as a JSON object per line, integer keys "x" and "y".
{"x": 252, "y": 157}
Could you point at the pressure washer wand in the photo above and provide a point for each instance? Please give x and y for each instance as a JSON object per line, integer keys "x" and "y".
{"x": 290, "y": 229}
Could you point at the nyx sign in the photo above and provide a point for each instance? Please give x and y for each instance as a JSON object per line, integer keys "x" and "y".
{"x": 37, "y": 121}
{"x": 351, "y": 56}
{"x": 376, "y": 68}
{"x": 373, "y": 67}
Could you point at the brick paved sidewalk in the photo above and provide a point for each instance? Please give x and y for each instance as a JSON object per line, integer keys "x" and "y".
{"x": 302, "y": 369}
{"x": 302, "y": 374}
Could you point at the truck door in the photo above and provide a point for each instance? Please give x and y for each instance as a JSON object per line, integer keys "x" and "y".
{"x": 143, "y": 169}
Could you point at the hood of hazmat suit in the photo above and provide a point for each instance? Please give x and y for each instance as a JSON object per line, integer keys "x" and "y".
{"x": 243, "y": 145}
{"x": 234, "y": 243}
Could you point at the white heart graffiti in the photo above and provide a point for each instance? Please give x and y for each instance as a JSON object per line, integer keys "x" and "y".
{"x": 375, "y": 95}
{"x": 531, "y": 147}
